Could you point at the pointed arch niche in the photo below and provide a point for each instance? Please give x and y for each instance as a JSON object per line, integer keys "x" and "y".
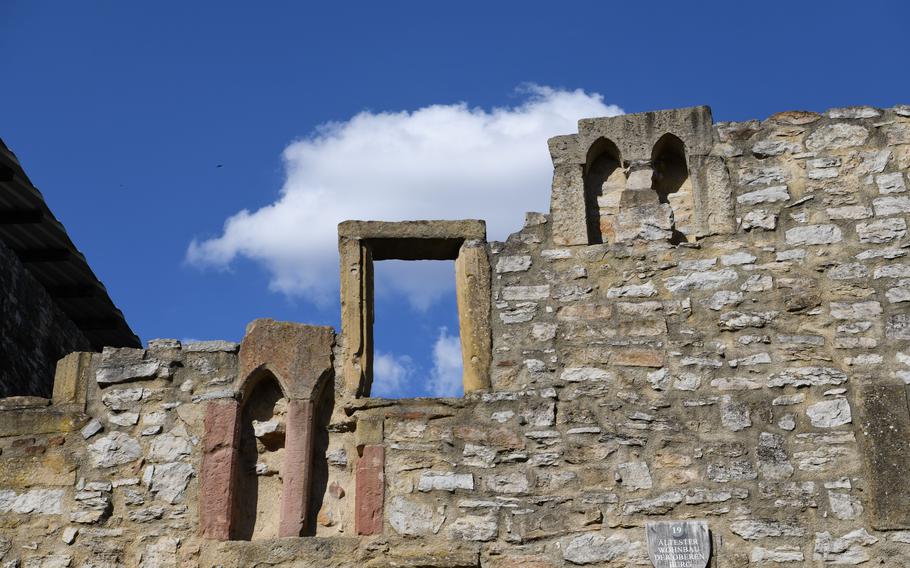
{"x": 261, "y": 454}
{"x": 604, "y": 180}
{"x": 672, "y": 183}
{"x": 258, "y": 444}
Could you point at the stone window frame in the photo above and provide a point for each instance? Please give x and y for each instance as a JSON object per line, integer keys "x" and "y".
{"x": 361, "y": 243}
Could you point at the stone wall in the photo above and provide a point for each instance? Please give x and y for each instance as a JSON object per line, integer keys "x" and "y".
{"x": 34, "y": 332}
{"x": 111, "y": 479}
{"x": 754, "y": 376}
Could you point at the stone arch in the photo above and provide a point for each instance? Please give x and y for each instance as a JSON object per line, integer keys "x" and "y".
{"x": 253, "y": 378}
{"x": 283, "y": 370}
{"x": 604, "y": 181}
{"x": 261, "y": 453}
{"x": 671, "y": 181}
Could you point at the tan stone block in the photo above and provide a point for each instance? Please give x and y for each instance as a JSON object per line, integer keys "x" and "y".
{"x": 567, "y": 204}
{"x": 369, "y": 431}
{"x": 434, "y": 230}
{"x": 503, "y": 438}
{"x": 712, "y": 196}
{"x": 646, "y": 328}
{"x": 585, "y": 312}
{"x": 885, "y": 428}
{"x": 71, "y": 379}
{"x": 34, "y": 421}
{"x": 472, "y": 290}
{"x": 638, "y": 358}
{"x": 52, "y": 469}
{"x": 430, "y": 555}
{"x": 535, "y": 561}
{"x": 664, "y": 459}
{"x": 356, "y": 316}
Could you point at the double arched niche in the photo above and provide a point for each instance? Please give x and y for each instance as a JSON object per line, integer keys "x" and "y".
{"x": 260, "y": 476}
{"x": 608, "y": 181}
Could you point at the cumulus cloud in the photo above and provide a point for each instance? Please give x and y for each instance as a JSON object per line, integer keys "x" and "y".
{"x": 391, "y": 374}
{"x": 396, "y": 376}
{"x": 437, "y": 162}
{"x": 445, "y": 378}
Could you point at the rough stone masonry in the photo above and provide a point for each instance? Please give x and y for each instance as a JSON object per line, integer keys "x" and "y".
{"x": 712, "y": 323}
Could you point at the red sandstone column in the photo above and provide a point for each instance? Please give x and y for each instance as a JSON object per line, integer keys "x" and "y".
{"x": 219, "y": 464}
{"x": 370, "y": 490}
{"x": 298, "y": 459}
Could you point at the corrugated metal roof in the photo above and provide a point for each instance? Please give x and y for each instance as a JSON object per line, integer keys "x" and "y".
{"x": 29, "y": 228}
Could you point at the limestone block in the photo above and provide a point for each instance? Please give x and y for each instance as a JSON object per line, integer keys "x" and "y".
{"x": 444, "y": 481}
{"x": 115, "y": 448}
{"x": 414, "y": 518}
{"x": 759, "y": 219}
{"x": 567, "y": 206}
{"x": 847, "y": 549}
{"x": 37, "y": 501}
{"x": 119, "y": 365}
{"x": 642, "y": 217}
{"x": 517, "y": 263}
{"x": 479, "y": 528}
{"x": 593, "y": 548}
{"x": 757, "y": 529}
{"x": 837, "y": 136}
{"x": 830, "y": 413}
{"x": 814, "y": 235}
{"x": 767, "y": 195}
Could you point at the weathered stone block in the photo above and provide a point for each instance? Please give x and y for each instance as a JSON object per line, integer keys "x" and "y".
{"x": 219, "y": 466}
{"x": 299, "y": 356}
{"x": 472, "y": 291}
{"x": 885, "y": 425}
{"x": 71, "y": 379}
{"x": 370, "y": 492}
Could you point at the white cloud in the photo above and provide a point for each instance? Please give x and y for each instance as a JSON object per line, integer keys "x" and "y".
{"x": 420, "y": 282}
{"x": 395, "y": 375}
{"x": 437, "y": 162}
{"x": 390, "y": 374}
{"x": 445, "y": 378}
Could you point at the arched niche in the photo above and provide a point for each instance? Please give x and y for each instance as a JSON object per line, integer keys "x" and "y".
{"x": 672, "y": 183}
{"x": 604, "y": 181}
{"x": 284, "y": 370}
{"x": 261, "y": 458}
{"x": 258, "y": 462}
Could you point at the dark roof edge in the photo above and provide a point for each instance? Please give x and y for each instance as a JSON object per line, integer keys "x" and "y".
{"x": 81, "y": 292}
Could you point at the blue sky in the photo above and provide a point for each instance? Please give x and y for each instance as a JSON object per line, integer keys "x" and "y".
{"x": 149, "y": 126}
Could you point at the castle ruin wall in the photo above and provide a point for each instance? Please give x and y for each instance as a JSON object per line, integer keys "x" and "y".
{"x": 750, "y": 370}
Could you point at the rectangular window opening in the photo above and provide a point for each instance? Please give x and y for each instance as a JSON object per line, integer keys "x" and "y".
{"x": 416, "y": 341}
